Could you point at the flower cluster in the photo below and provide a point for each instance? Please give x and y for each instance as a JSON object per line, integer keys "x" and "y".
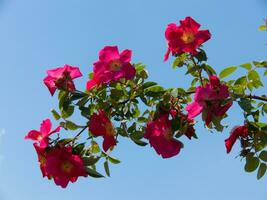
{"x": 110, "y": 106}
{"x": 58, "y": 162}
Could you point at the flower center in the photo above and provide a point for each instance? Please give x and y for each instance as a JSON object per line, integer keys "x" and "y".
{"x": 39, "y": 138}
{"x": 109, "y": 129}
{"x": 66, "y": 166}
{"x": 168, "y": 134}
{"x": 115, "y": 65}
{"x": 65, "y": 83}
{"x": 188, "y": 37}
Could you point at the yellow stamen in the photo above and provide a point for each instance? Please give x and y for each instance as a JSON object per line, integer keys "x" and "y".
{"x": 109, "y": 129}
{"x": 168, "y": 134}
{"x": 115, "y": 65}
{"x": 66, "y": 166}
{"x": 188, "y": 37}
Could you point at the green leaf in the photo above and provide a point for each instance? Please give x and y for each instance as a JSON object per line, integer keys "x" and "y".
{"x": 261, "y": 171}
{"x": 254, "y": 78}
{"x": 149, "y": 84}
{"x": 94, "y": 147}
{"x": 208, "y": 69}
{"x": 201, "y": 56}
{"x": 71, "y": 125}
{"x": 264, "y": 108}
{"x": 260, "y": 63}
{"x": 55, "y": 114}
{"x": 192, "y": 70}
{"x": 241, "y": 81}
{"x": 93, "y": 173}
{"x": 62, "y": 94}
{"x": 106, "y": 168}
{"x": 154, "y": 91}
{"x": 113, "y": 160}
{"x": 251, "y": 163}
{"x": 78, "y": 148}
{"x": 247, "y": 66}
{"x": 227, "y": 71}
{"x": 265, "y": 73}
{"x": 90, "y": 160}
{"x": 140, "y": 142}
{"x": 179, "y": 61}
{"x": 263, "y": 156}
{"x": 262, "y": 28}
{"x": 67, "y": 113}
{"x": 137, "y": 135}
{"x": 77, "y": 95}
{"x": 139, "y": 67}
{"x": 121, "y": 131}
{"x": 83, "y": 101}
{"x": 91, "y": 75}
{"x": 142, "y": 119}
{"x": 245, "y": 104}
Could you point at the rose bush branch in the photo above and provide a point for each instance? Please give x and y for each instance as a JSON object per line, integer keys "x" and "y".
{"x": 118, "y": 101}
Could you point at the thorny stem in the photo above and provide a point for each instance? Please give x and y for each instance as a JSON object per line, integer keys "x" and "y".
{"x": 256, "y": 97}
{"x": 76, "y": 137}
{"x": 199, "y": 71}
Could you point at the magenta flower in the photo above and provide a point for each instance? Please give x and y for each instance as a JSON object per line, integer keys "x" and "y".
{"x": 64, "y": 166}
{"x": 100, "y": 125}
{"x": 111, "y": 66}
{"x": 160, "y": 135}
{"x": 209, "y": 100}
{"x": 42, "y": 135}
{"x": 62, "y": 78}
{"x": 185, "y": 38}
{"x": 238, "y": 131}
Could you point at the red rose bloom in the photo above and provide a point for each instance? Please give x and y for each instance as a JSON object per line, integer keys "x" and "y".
{"x": 62, "y": 78}
{"x": 42, "y": 136}
{"x": 209, "y": 99}
{"x": 111, "y": 66}
{"x": 63, "y": 166}
{"x": 100, "y": 125}
{"x": 185, "y": 38}
{"x": 160, "y": 135}
{"x": 238, "y": 131}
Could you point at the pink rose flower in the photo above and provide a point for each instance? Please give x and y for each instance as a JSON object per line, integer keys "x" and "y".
{"x": 236, "y": 132}
{"x": 209, "y": 99}
{"x": 64, "y": 166}
{"x": 100, "y": 125}
{"x": 62, "y": 78}
{"x": 111, "y": 66}
{"x": 160, "y": 135}
{"x": 42, "y": 136}
{"x": 185, "y": 38}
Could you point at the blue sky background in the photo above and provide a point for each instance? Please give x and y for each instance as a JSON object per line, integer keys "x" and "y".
{"x": 38, "y": 35}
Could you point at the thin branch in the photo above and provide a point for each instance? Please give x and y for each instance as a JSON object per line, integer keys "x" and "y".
{"x": 256, "y": 97}
{"x": 75, "y": 138}
{"x": 199, "y": 71}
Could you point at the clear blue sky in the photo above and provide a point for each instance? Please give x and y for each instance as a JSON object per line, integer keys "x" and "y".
{"x": 38, "y": 35}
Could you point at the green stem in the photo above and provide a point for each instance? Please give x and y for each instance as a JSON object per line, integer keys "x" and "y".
{"x": 199, "y": 71}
